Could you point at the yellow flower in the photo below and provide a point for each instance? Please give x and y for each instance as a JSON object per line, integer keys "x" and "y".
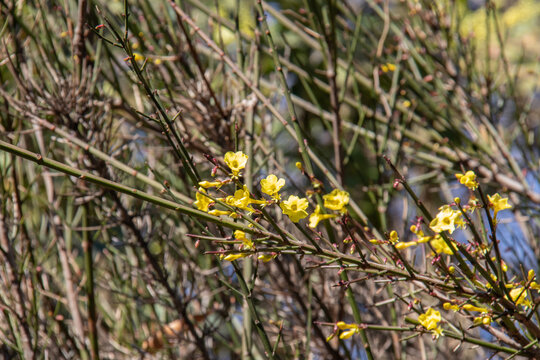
{"x": 469, "y": 179}
{"x": 531, "y": 275}
{"x": 484, "y": 319}
{"x": 519, "y": 296}
{"x": 430, "y": 320}
{"x": 203, "y": 201}
{"x": 403, "y": 245}
{"x": 246, "y": 243}
{"x": 232, "y": 257}
{"x": 446, "y": 220}
{"x": 449, "y": 306}
{"x": 388, "y": 67}
{"x": 267, "y": 257}
{"x": 137, "y": 57}
{"x": 216, "y": 212}
{"x": 504, "y": 267}
{"x": 336, "y": 200}
{"x": 440, "y": 246}
{"x": 421, "y": 237}
{"x": 239, "y": 235}
{"x": 470, "y": 307}
{"x": 236, "y": 161}
{"x": 317, "y": 217}
{"x": 271, "y": 186}
{"x": 241, "y": 199}
{"x": 394, "y": 238}
{"x": 209, "y": 184}
{"x": 498, "y": 203}
{"x": 347, "y": 334}
{"x": 295, "y": 208}
{"x": 350, "y": 330}
{"x": 438, "y": 331}
{"x": 535, "y": 286}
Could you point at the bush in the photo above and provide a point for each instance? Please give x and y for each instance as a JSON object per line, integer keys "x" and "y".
{"x": 237, "y": 179}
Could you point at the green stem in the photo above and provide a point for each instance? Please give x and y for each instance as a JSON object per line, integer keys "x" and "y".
{"x": 108, "y": 159}
{"x": 293, "y": 119}
{"x": 357, "y": 317}
{"x": 89, "y": 269}
{"x": 246, "y": 292}
{"x": 83, "y": 175}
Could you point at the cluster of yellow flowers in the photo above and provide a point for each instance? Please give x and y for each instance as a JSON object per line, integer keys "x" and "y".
{"x": 437, "y": 242}
{"x": 449, "y": 219}
{"x": 469, "y": 179}
{"x": 485, "y": 317}
{"x": 294, "y": 207}
{"x": 388, "y": 67}
{"x": 245, "y": 245}
{"x": 429, "y": 320}
{"x": 517, "y": 293}
{"x": 496, "y": 202}
{"x": 347, "y": 330}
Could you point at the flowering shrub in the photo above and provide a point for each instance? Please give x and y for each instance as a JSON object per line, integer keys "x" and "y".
{"x": 467, "y": 286}
{"x": 251, "y": 179}
{"x": 294, "y": 207}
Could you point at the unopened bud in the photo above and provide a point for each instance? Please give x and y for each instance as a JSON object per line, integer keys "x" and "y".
{"x": 530, "y": 275}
